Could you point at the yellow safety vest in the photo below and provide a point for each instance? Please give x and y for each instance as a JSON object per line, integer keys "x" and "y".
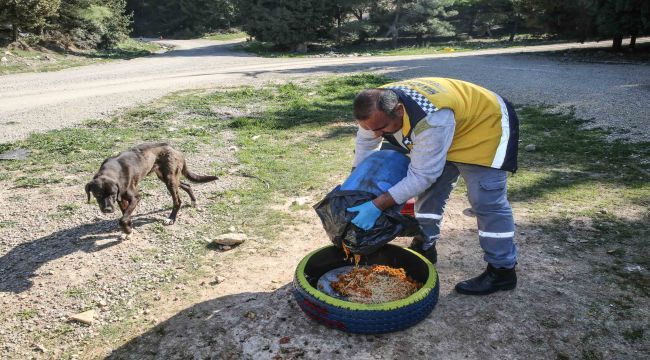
{"x": 486, "y": 130}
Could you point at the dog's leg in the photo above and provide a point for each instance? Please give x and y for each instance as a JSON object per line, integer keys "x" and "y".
{"x": 188, "y": 189}
{"x": 124, "y": 204}
{"x": 125, "y": 221}
{"x": 172, "y": 186}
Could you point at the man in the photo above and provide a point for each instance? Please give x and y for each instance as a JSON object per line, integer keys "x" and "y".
{"x": 450, "y": 128}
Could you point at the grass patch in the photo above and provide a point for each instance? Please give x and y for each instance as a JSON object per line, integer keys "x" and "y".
{"x": 633, "y": 335}
{"x": 7, "y": 223}
{"x": 20, "y": 61}
{"x": 586, "y": 191}
{"x": 32, "y": 182}
{"x": 383, "y": 46}
{"x": 27, "y": 314}
{"x": 222, "y": 36}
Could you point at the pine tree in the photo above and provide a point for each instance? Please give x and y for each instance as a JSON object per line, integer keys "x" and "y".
{"x": 28, "y": 15}
{"x": 287, "y": 23}
{"x": 618, "y": 18}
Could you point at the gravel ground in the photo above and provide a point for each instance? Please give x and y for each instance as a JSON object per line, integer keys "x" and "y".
{"x": 612, "y": 95}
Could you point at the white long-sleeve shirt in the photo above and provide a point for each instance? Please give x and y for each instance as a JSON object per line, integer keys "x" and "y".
{"x": 428, "y": 156}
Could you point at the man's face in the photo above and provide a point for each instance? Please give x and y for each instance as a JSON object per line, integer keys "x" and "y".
{"x": 381, "y": 123}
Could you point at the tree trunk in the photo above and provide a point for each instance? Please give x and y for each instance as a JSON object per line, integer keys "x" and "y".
{"x": 14, "y": 24}
{"x": 358, "y": 15}
{"x": 472, "y": 21}
{"x": 338, "y": 25}
{"x": 633, "y": 41}
{"x": 14, "y": 32}
{"x": 513, "y": 30}
{"x": 394, "y": 29}
{"x": 617, "y": 43}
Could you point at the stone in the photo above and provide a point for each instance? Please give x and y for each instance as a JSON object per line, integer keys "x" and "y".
{"x": 633, "y": 268}
{"x": 4, "y": 60}
{"x": 584, "y": 223}
{"x": 300, "y": 201}
{"x": 250, "y": 315}
{"x": 40, "y": 348}
{"x": 530, "y": 147}
{"x": 86, "y": 317}
{"x": 230, "y": 239}
{"x": 254, "y": 138}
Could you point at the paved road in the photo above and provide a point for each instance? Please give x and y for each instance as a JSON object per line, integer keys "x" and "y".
{"x": 614, "y": 95}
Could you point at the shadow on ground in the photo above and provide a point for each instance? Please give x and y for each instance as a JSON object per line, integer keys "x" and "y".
{"x": 23, "y": 261}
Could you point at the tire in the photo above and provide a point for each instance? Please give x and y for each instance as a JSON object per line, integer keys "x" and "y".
{"x": 366, "y": 318}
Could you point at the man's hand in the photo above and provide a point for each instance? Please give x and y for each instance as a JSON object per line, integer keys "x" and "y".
{"x": 367, "y": 215}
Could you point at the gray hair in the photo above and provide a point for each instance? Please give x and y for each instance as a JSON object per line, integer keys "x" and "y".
{"x": 370, "y": 100}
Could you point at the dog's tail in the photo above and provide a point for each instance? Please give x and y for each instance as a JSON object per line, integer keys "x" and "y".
{"x": 197, "y": 178}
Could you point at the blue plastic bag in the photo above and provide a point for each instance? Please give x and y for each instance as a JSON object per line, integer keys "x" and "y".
{"x": 372, "y": 177}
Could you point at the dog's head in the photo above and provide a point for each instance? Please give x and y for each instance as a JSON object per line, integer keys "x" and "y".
{"x": 106, "y": 191}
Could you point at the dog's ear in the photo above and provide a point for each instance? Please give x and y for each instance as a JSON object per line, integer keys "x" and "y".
{"x": 88, "y": 189}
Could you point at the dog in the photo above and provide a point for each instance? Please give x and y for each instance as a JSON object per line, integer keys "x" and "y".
{"x": 118, "y": 177}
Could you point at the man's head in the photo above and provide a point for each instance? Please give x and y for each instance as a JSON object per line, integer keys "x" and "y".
{"x": 379, "y": 111}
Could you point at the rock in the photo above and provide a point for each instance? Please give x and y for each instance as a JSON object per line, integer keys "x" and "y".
{"x": 102, "y": 303}
{"x": 530, "y": 147}
{"x": 233, "y": 148}
{"x": 256, "y": 137}
{"x": 603, "y": 211}
{"x": 232, "y": 229}
{"x": 584, "y": 223}
{"x": 300, "y": 201}
{"x": 633, "y": 268}
{"x": 285, "y": 340}
{"x": 4, "y": 60}
{"x": 218, "y": 280}
{"x": 250, "y": 315}
{"x": 226, "y": 247}
{"x": 40, "y": 348}
{"x": 86, "y": 317}
{"x": 230, "y": 239}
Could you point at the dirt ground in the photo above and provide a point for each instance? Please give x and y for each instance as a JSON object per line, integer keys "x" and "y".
{"x": 237, "y": 304}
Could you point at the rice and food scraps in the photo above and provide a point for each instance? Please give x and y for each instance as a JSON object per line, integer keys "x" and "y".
{"x": 375, "y": 284}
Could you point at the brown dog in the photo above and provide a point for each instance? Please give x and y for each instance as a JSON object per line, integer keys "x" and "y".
{"x": 118, "y": 178}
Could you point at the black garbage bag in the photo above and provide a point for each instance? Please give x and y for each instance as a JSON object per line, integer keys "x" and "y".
{"x": 337, "y": 221}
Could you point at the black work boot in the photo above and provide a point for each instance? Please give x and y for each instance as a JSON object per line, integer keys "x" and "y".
{"x": 491, "y": 280}
{"x": 431, "y": 254}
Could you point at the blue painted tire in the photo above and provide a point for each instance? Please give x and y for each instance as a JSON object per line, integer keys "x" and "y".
{"x": 366, "y": 318}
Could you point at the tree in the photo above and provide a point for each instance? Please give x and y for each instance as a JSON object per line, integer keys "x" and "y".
{"x": 183, "y": 18}
{"x": 427, "y": 17}
{"x": 617, "y": 18}
{"x": 28, "y": 14}
{"x": 288, "y": 24}
{"x": 94, "y": 23}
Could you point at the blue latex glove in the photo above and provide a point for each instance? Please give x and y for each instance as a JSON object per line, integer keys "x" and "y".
{"x": 367, "y": 215}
